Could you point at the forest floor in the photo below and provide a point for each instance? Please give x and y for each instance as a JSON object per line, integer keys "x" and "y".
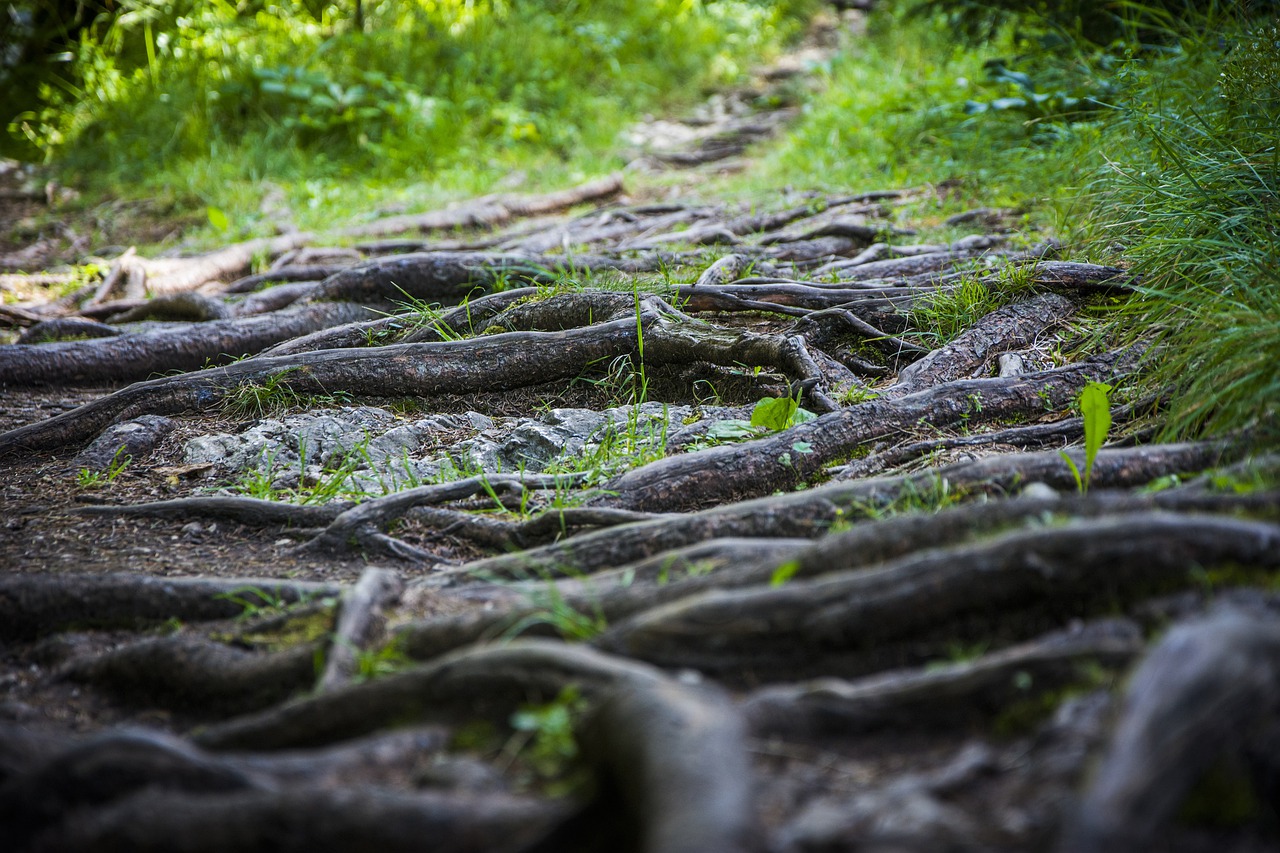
{"x": 599, "y": 521}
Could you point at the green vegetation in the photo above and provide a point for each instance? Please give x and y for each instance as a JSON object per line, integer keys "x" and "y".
{"x": 1095, "y": 407}
{"x": 544, "y": 734}
{"x": 210, "y": 99}
{"x": 253, "y": 400}
{"x": 1142, "y": 134}
{"x": 87, "y": 479}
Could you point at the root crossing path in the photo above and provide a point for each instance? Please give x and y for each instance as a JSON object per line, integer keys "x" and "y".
{"x": 600, "y": 524}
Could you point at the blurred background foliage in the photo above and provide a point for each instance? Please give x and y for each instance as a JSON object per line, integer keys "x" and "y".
{"x": 424, "y": 84}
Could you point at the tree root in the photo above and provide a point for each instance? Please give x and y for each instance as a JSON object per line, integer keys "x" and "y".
{"x": 198, "y": 676}
{"x": 309, "y": 820}
{"x": 361, "y": 623}
{"x": 129, "y": 357}
{"x": 242, "y": 510}
{"x": 855, "y": 622}
{"x": 491, "y": 211}
{"x": 1006, "y": 328}
{"x": 38, "y": 604}
{"x": 958, "y": 694}
{"x": 810, "y": 513}
{"x": 485, "y": 683}
{"x": 797, "y": 455}
{"x": 47, "y": 331}
{"x": 678, "y": 757}
{"x": 544, "y": 607}
{"x": 1204, "y": 690}
{"x": 493, "y": 362}
{"x": 63, "y": 774}
{"x": 354, "y": 527}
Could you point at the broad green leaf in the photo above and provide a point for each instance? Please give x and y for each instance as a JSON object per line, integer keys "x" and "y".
{"x": 1095, "y": 406}
{"x": 730, "y": 430}
{"x": 802, "y": 416}
{"x": 774, "y": 413}
{"x": 218, "y": 219}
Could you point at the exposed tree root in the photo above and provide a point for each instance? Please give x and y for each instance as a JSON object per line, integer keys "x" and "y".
{"x": 678, "y": 757}
{"x": 361, "y": 622}
{"x": 913, "y": 675}
{"x": 201, "y": 677}
{"x": 481, "y": 683}
{"x": 1204, "y": 691}
{"x": 129, "y": 357}
{"x": 542, "y": 606}
{"x": 811, "y": 513}
{"x": 491, "y": 211}
{"x": 854, "y": 622}
{"x": 32, "y": 605}
{"x": 244, "y": 510}
{"x": 306, "y": 819}
{"x": 504, "y": 361}
{"x": 958, "y": 694}
{"x": 1006, "y": 328}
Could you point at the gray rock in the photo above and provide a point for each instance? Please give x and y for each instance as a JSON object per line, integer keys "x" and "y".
{"x": 134, "y": 439}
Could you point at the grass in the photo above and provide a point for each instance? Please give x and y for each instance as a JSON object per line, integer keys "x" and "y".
{"x": 89, "y": 479}
{"x": 212, "y": 103}
{"x": 1177, "y": 175}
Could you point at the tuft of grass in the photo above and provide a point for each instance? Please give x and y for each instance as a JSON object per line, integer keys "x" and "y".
{"x": 87, "y": 479}
{"x": 256, "y": 400}
{"x": 1195, "y": 202}
{"x": 944, "y": 314}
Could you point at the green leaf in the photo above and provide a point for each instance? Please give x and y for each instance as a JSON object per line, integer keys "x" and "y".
{"x": 218, "y": 219}
{"x": 730, "y": 430}
{"x": 1095, "y": 406}
{"x": 774, "y": 413}
{"x": 1075, "y": 472}
{"x": 784, "y": 573}
{"x": 802, "y": 416}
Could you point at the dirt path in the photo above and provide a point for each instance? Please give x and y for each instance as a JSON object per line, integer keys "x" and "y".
{"x": 573, "y": 522}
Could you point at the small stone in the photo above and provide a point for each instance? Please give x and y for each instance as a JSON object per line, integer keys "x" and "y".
{"x": 1039, "y": 491}
{"x": 1010, "y": 364}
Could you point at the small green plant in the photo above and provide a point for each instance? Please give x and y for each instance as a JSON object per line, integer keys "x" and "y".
{"x": 87, "y": 479}
{"x": 254, "y": 601}
{"x": 544, "y": 736}
{"x": 375, "y": 663}
{"x": 771, "y": 414}
{"x": 1095, "y": 407}
{"x": 778, "y": 413}
{"x": 784, "y": 573}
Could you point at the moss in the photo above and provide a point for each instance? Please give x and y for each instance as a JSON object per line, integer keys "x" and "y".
{"x": 304, "y": 627}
